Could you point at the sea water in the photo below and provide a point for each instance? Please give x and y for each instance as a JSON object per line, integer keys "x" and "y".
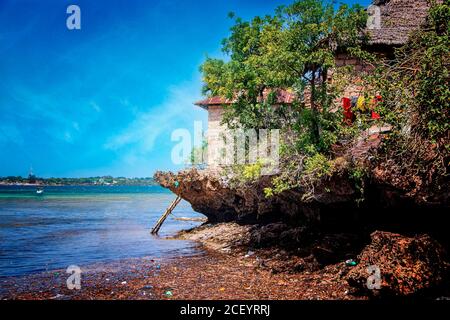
{"x": 77, "y": 225}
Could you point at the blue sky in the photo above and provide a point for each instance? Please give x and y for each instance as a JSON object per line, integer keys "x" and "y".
{"x": 105, "y": 99}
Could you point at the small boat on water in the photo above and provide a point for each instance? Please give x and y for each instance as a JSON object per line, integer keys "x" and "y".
{"x": 40, "y": 191}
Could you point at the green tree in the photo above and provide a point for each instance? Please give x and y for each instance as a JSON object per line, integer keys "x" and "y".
{"x": 293, "y": 50}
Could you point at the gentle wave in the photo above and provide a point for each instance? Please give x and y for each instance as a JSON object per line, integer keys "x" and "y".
{"x": 79, "y": 225}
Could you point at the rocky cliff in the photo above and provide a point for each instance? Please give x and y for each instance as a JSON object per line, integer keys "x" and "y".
{"x": 210, "y": 195}
{"x": 411, "y": 251}
{"x": 390, "y": 197}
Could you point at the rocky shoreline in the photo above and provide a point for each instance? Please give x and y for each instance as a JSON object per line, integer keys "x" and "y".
{"x": 243, "y": 262}
{"x": 216, "y": 274}
{"x": 395, "y": 244}
{"x": 276, "y": 248}
{"x": 407, "y": 266}
{"x": 213, "y": 275}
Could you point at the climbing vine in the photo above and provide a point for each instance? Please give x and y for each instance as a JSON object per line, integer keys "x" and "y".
{"x": 416, "y": 100}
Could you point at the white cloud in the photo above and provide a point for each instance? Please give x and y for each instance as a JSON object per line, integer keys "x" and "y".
{"x": 143, "y": 132}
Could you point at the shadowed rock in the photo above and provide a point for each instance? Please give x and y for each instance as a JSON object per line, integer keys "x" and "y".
{"x": 408, "y": 265}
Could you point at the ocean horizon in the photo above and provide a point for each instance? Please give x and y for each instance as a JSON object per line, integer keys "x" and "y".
{"x": 79, "y": 225}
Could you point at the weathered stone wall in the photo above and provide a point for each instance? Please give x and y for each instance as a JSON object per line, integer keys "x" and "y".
{"x": 354, "y": 88}
{"x": 215, "y": 115}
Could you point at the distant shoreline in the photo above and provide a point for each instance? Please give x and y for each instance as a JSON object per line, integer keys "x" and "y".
{"x": 71, "y": 184}
{"x": 2, "y": 184}
{"x": 20, "y": 184}
{"x": 90, "y": 181}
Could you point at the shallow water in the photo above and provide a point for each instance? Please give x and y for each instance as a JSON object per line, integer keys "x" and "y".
{"x": 73, "y": 225}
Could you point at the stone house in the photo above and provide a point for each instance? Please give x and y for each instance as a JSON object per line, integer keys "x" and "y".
{"x": 389, "y": 24}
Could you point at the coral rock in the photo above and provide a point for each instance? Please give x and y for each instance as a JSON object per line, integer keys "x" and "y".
{"x": 407, "y": 265}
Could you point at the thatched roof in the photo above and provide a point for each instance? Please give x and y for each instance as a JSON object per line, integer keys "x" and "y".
{"x": 391, "y": 21}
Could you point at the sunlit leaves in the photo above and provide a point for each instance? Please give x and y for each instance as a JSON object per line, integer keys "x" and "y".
{"x": 292, "y": 50}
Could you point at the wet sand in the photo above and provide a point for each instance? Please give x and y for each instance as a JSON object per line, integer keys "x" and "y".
{"x": 211, "y": 275}
{"x": 225, "y": 268}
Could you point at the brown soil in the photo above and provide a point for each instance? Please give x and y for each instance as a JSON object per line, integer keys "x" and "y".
{"x": 209, "y": 276}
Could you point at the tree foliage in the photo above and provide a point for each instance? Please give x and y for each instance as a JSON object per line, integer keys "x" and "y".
{"x": 293, "y": 50}
{"x": 290, "y": 50}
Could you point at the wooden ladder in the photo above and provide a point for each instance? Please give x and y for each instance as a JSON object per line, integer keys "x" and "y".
{"x": 165, "y": 215}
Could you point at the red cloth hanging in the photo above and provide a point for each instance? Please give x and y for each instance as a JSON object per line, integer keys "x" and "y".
{"x": 348, "y": 114}
{"x": 346, "y": 104}
{"x": 376, "y": 100}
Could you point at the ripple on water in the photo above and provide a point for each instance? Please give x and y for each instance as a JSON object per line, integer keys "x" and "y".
{"x": 84, "y": 226}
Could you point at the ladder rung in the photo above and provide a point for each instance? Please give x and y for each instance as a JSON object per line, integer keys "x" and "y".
{"x": 165, "y": 215}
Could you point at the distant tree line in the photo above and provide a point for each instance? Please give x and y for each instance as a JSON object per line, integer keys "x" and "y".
{"x": 103, "y": 180}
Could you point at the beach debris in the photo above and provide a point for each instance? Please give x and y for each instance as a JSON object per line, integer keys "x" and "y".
{"x": 176, "y": 184}
{"x": 158, "y": 267}
{"x": 190, "y": 219}
{"x": 168, "y": 293}
{"x": 123, "y": 282}
{"x": 147, "y": 287}
{"x": 222, "y": 289}
{"x": 249, "y": 254}
{"x": 350, "y": 263}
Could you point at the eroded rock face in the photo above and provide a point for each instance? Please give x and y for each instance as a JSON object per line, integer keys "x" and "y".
{"x": 387, "y": 192}
{"x": 210, "y": 195}
{"x": 408, "y": 265}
